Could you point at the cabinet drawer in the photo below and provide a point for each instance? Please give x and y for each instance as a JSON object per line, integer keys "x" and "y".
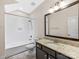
{"x": 38, "y": 45}
{"x": 59, "y": 56}
{"x": 49, "y": 51}
{"x": 50, "y": 57}
{"x": 40, "y": 54}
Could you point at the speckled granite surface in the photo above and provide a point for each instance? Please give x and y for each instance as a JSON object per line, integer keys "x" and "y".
{"x": 66, "y": 49}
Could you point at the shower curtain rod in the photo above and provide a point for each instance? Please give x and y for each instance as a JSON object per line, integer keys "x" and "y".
{"x": 16, "y": 15}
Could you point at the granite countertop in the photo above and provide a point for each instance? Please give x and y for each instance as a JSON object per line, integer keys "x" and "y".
{"x": 66, "y": 49}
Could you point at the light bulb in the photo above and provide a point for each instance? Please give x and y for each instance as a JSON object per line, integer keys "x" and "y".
{"x": 64, "y": 4}
{"x": 56, "y": 8}
{"x": 51, "y": 10}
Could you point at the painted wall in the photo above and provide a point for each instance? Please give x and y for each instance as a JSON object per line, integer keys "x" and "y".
{"x": 39, "y": 13}
{"x": 1, "y": 30}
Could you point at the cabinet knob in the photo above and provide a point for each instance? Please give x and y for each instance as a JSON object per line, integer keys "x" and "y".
{"x": 49, "y": 58}
{"x": 45, "y": 56}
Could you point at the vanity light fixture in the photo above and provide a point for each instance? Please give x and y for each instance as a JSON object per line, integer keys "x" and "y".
{"x": 60, "y": 5}
{"x": 53, "y": 9}
{"x": 56, "y": 8}
{"x": 64, "y": 4}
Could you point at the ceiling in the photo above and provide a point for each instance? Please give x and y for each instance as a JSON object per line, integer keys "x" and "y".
{"x": 10, "y": 1}
{"x": 24, "y": 5}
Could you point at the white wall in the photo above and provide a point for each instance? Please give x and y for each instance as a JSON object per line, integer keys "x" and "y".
{"x": 39, "y": 13}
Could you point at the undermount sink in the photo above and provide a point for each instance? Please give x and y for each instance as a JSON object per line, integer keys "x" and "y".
{"x": 55, "y": 43}
{"x": 52, "y": 42}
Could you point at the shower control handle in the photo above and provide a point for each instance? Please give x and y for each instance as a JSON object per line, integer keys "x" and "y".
{"x": 31, "y": 36}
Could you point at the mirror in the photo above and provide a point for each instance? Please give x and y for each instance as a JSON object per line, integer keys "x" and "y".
{"x": 63, "y": 24}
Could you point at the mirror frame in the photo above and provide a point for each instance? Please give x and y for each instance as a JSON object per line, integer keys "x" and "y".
{"x": 74, "y": 39}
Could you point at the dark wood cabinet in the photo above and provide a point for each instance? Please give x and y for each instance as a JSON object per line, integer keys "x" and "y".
{"x": 40, "y": 54}
{"x": 43, "y": 52}
{"x": 51, "y": 57}
{"x": 60, "y": 56}
{"x": 49, "y": 51}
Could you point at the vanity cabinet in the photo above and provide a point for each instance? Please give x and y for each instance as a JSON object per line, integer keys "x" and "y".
{"x": 43, "y": 52}
{"x": 50, "y": 57}
{"x": 60, "y": 56}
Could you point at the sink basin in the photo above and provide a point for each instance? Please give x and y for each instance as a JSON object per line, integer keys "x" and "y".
{"x": 52, "y": 42}
{"x": 55, "y": 44}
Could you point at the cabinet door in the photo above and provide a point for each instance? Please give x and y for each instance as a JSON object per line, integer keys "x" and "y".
{"x": 59, "y": 56}
{"x": 50, "y": 57}
{"x": 49, "y": 51}
{"x": 40, "y": 54}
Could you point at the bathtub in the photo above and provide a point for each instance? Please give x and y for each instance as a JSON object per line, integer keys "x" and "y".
{"x": 16, "y": 49}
